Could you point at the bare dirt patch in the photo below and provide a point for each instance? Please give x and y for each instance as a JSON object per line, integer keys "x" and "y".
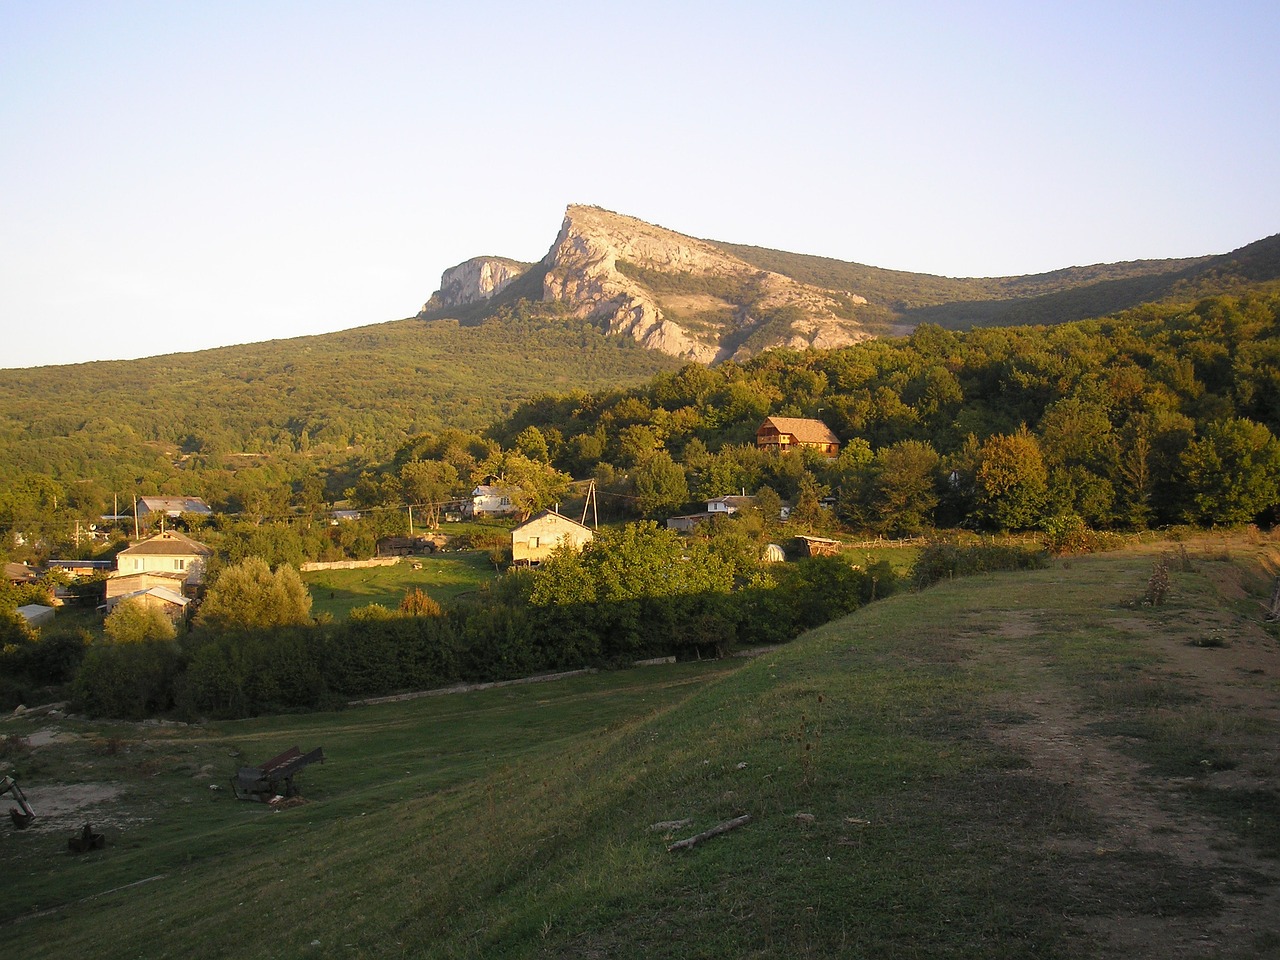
{"x": 66, "y": 807}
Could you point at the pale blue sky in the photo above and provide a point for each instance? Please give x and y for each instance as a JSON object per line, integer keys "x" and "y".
{"x": 180, "y": 175}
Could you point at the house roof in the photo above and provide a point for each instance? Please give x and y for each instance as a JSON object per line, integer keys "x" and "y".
{"x": 174, "y": 505}
{"x": 804, "y": 430}
{"x": 35, "y": 613}
{"x": 551, "y": 513}
{"x": 160, "y": 593}
{"x": 20, "y": 572}
{"x": 177, "y": 576}
{"x": 168, "y": 544}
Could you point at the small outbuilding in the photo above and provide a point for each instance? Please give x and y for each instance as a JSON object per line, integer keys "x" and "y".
{"x": 36, "y": 614}
{"x": 534, "y": 540}
{"x": 172, "y": 604}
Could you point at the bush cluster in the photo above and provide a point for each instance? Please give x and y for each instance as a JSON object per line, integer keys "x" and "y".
{"x": 246, "y": 672}
{"x": 943, "y": 560}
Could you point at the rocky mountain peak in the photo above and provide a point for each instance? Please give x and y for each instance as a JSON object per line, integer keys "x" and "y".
{"x": 670, "y": 292}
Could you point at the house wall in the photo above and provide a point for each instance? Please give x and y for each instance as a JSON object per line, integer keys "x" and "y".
{"x": 120, "y": 584}
{"x": 534, "y": 541}
{"x": 190, "y": 564}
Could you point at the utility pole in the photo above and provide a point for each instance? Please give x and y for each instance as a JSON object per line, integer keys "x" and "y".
{"x": 591, "y": 502}
{"x": 136, "y": 534}
{"x": 410, "y": 506}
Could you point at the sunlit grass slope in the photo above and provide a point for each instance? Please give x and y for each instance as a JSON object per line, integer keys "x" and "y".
{"x": 886, "y": 818}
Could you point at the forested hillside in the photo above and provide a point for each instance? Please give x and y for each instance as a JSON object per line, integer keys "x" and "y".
{"x": 1073, "y": 293}
{"x": 1158, "y": 415}
{"x": 227, "y": 423}
{"x": 1163, "y": 414}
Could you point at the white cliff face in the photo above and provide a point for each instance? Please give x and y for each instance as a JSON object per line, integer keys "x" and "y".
{"x": 620, "y": 273}
{"x": 480, "y": 278}
{"x": 582, "y": 271}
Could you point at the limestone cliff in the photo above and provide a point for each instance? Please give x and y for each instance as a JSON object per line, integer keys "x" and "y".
{"x": 669, "y": 292}
{"x": 480, "y": 278}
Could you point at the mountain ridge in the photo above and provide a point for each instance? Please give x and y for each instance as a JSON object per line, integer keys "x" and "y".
{"x": 709, "y": 301}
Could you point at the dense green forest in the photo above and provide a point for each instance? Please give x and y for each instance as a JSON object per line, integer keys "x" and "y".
{"x": 247, "y": 427}
{"x": 1162, "y": 414}
{"x": 1165, "y": 414}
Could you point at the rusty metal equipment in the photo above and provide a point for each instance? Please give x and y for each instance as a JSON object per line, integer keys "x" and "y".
{"x": 22, "y": 814}
{"x": 275, "y": 777}
{"x": 86, "y": 840}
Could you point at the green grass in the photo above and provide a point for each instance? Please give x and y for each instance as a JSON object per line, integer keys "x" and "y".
{"x": 444, "y": 577}
{"x": 887, "y": 820}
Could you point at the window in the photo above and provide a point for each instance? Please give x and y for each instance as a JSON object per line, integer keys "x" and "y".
{"x": 533, "y": 543}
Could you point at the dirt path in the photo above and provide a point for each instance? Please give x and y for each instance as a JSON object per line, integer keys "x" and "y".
{"x": 1145, "y": 824}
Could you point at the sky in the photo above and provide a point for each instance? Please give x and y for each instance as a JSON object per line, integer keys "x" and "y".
{"x": 176, "y": 176}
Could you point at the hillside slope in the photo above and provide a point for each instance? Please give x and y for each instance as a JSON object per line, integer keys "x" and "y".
{"x": 365, "y": 389}
{"x": 1029, "y": 765}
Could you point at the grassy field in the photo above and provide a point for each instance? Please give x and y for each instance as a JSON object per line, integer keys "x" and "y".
{"x": 443, "y": 576}
{"x": 1022, "y": 765}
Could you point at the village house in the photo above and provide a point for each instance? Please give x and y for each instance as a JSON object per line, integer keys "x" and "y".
{"x": 488, "y": 500}
{"x": 168, "y": 552}
{"x": 20, "y": 573}
{"x": 728, "y": 505}
{"x": 534, "y": 540}
{"x": 172, "y": 507}
{"x": 80, "y": 568}
{"x": 787, "y": 433}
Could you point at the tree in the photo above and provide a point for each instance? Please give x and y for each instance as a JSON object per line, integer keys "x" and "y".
{"x": 133, "y": 621}
{"x": 1011, "y": 481}
{"x": 660, "y": 484}
{"x": 416, "y": 603}
{"x": 639, "y": 560}
{"x": 429, "y": 483}
{"x": 904, "y": 487}
{"x": 808, "y": 509}
{"x": 533, "y": 444}
{"x": 248, "y": 596}
{"x": 1232, "y": 473}
{"x": 531, "y": 484}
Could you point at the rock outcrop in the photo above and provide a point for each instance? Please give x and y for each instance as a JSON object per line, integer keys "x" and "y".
{"x": 669, "y": 292}
{"x": 480, "y": 278}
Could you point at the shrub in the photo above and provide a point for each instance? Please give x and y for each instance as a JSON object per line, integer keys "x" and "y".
{"x": 127, "y": 681}
{"x": 943, "y": 560}
{"x": 132, "y": 621}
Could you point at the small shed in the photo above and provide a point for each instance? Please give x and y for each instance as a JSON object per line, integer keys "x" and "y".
{"x": 687, "y": 522}
{"x": 36, "y": 614}
{"x": 534, "y": 540}
{"x": 171, "y": 603}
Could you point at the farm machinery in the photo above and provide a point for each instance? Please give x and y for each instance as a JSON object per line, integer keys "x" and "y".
{"x": 275, "y": 777}
{"x": 22, "y": 814}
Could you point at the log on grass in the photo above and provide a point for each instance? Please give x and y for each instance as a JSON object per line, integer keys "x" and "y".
{"x": 715, "y": 831}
